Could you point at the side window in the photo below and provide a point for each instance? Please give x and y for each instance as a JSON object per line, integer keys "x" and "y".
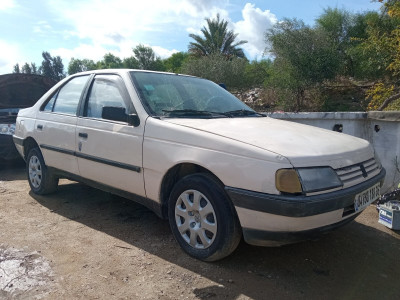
{"x": 50, "y": 104}
{"x": 105, "y": 91}
{"x": 67, "y": 99}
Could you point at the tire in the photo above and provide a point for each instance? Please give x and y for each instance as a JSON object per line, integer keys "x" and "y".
{"x": 210, "y": 229}
{"x": 40, "y": 179}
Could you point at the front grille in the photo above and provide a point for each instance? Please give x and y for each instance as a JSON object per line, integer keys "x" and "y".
{"x": 355, "y": 174}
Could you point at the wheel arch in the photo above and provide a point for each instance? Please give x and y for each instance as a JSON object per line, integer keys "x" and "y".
{"x": 176, "y": 173}
{"x": 29, "y": 143}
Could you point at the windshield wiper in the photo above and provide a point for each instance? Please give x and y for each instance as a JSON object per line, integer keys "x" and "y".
{"x": 192, "y": 112}
{"x": 242, "y": 112}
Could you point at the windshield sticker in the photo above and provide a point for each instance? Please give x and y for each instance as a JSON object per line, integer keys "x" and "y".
{"x": 149, "y": 87}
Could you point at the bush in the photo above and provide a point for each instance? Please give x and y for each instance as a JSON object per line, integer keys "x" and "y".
{"x": 218, "y": 68}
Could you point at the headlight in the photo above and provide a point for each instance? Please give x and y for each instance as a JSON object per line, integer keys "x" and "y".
{"x": 7, "y": 129}
{"x": 318, "y": 179}
{"x": 306, "y": 180}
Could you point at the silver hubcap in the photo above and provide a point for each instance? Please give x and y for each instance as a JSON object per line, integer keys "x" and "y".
{"x": 195, "y": 219}
{"x": 35, "y": 171}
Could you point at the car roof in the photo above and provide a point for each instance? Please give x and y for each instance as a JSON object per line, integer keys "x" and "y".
{"x": 124, "y": 71}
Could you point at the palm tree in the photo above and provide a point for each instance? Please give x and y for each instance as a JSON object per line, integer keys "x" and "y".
{"x": 217, "y": 39}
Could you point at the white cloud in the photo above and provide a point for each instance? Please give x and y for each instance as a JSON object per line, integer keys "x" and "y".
{"x": 162, "y": 52}
{"x": 94, "y": 52}
{"x": 102, "y": 21}
{"x": 42, "y": 27}
{"x": 120, "y": 25}
{"x": 7, "y": 4}
{"x": 10, "y": 55}
{"x": 253, "y": 27}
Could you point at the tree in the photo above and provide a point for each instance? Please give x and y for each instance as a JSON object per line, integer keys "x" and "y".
{"x": 80, "y": 65}
{"x": 147, "y": 59}
{"x": 130, "y": 63}
{"x": 257, "y": 72}
{"x": 52, "y": 67}
{"x": 337, "y": 24}
{"x": 16, "y": 69}
{"x": 34, "y": 69}
{"x": 304, "y": 57}
{"x": 217, "y": 68}
{"x": 110, "y": 61}
{"x": 26, "y": 68}
{"x": 217, "y": 39}
{"x": 365, "y": 63}
{"x": 384, "y": 40}
{"x": 175, "y": 61}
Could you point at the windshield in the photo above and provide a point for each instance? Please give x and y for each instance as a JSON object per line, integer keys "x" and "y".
{"x": 170, "y": 95}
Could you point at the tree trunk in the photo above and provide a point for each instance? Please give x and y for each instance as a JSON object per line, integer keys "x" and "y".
{"x": 388, "y": 101}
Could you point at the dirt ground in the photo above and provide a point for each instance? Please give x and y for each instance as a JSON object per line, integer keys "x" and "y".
{"x": 81, "y": 243}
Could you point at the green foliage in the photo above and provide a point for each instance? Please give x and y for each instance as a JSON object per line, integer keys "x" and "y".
{"x": 217, "y": 68}
{"x": 109, "y": 61}
{"x": 217, "y": 39}
{"x": 80, "y": 65}
{"x": 130, "y": 63}
{"x": 52, "y": 67}
{"x": 309, "y": 54}
{"x": 304, "y": 57}
{"x": 338, "y": 25}
{"x": 16, "y": 68}
{"x": 378, "y": 49}
{"x": 174, "y": 62}
{"x": 257, "y": 72}
{"x": 326, "y": 66}
{"x": 378, "y": 93}
{"x": 384, "y": 40}
{"x": 26, "y": 69}
{"x": 147, "y": 59}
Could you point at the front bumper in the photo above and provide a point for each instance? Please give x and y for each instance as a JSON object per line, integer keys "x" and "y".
{"x": 279, "y": 219}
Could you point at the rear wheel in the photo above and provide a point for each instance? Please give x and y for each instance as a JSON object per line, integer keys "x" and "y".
{"x": 40, "y": 179}
{"x": 202, "y": 218}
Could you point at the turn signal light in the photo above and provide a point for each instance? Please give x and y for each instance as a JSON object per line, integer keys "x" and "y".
{"x": 287, "y": 181}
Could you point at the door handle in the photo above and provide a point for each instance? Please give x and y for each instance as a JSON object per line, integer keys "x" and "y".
{"x": 39, "y": 127}
{"x": 83, "y": 135}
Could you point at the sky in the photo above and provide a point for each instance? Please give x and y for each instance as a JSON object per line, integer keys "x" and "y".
{"x": 91, "y": 28}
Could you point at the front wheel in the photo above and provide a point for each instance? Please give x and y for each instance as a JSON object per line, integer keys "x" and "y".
{"x": 40, "y": 179}
{"x": 202, "y": 218}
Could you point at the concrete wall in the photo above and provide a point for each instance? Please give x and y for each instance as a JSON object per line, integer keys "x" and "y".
{"x": 381, "y": 129}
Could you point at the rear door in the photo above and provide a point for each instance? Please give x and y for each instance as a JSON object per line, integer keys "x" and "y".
{"x": 56, "y": 124}
{"x": 110, "y": 152}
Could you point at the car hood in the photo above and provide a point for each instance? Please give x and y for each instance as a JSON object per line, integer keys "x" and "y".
{"x": 302, "y": 145}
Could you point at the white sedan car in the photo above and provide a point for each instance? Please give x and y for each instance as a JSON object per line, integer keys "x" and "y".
{"x": 193, "y": 153}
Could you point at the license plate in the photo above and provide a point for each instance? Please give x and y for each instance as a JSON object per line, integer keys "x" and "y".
{"x": 365, "y": 198}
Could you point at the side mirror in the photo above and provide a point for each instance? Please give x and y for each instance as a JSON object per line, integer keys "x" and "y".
{"x": 119, "y": 114}
{"x": 133, "y": 120}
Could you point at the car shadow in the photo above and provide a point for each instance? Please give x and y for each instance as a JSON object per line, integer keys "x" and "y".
{"x": 12, "y": 170}
{"x": 362, "y": 261}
